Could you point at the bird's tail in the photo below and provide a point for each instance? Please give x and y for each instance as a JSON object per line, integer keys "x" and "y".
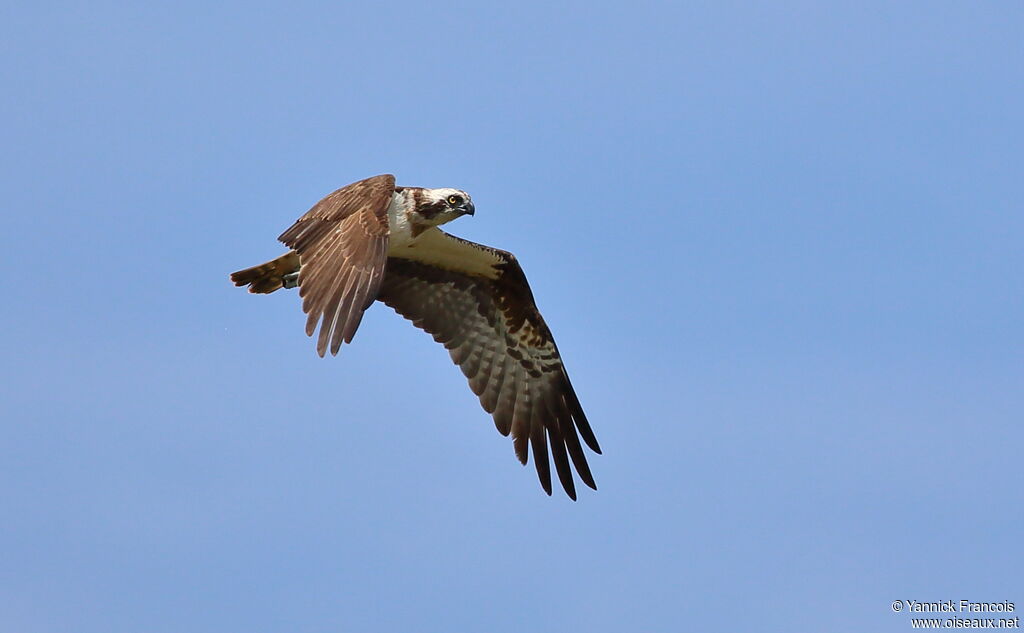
{"x": 270, "y": 276}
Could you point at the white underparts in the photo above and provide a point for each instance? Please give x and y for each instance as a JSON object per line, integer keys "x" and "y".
{"x": 434, "y": 247}
{"x": 399, "y": 227}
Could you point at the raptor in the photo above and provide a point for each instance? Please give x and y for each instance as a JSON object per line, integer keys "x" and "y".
{"x": 375, "y": 241}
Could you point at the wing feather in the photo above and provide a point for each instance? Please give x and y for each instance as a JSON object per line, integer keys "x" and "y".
{"x": 521, "y": 409}
{"x": 538, "y": 441}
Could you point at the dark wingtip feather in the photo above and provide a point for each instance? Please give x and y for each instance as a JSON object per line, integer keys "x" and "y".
{"x": 558, "y": 412}
{"x": 588, "y": 435}
{"x": 579, "y": 417}
{"x": 561, "y": 459}
{"x": 520, "y": 444}
{"x": 538, "y": 440}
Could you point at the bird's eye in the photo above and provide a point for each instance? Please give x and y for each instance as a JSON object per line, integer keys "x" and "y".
{"x": 453, "y": 199}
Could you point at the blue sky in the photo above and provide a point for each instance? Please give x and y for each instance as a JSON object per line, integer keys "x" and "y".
{"x": 779, "y": 245}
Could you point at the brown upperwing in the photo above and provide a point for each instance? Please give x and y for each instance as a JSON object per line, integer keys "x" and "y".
{"x": 343, "y": 244}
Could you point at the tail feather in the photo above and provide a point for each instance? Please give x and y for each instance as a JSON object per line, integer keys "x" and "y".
{"x": 267, "y": 277}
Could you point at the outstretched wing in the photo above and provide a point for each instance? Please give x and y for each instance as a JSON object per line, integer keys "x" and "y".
{"x": 343, "y": 244}
{"x": 476, "y": 302}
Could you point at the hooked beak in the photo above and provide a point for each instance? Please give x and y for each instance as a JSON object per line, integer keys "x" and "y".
{"x": 468, "y": 208}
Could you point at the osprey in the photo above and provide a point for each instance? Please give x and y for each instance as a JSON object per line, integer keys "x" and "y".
{"x": 373, "y": 241}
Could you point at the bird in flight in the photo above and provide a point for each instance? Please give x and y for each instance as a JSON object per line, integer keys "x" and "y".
{"x": 372, "y": 240}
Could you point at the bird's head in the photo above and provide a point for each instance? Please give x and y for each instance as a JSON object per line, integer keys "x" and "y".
{"x": 437, "y": 206}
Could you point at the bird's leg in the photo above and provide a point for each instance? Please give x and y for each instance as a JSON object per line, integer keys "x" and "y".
{"x": 290, "y": 280}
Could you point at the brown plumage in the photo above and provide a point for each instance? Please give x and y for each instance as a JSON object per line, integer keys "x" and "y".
{"x": 495, "y": 334}
{"x": 373, "y": 240}
{"x": 343, "y": 244}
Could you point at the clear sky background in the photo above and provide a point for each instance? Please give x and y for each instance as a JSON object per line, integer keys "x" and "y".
{"x": 779, "y": 244}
